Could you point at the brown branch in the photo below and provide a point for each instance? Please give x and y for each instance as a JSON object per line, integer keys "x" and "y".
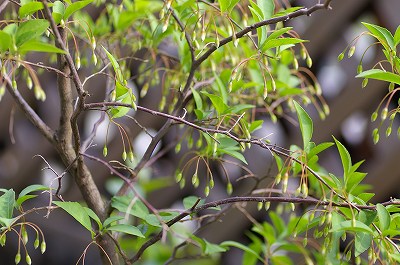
{"x": 60, "y": 42}
{"x": 32, "y": 116}
{"x": 228, "y": 133}
{"x": 205, "y": 206}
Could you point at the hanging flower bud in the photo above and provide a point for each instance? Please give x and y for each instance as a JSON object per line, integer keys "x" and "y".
{"x": 259, "y": 206}
{"x": 351, "y": 51}
{"x": 229, "y": 188}
{"x": 340, "y": 57}
{"x": 384, "y": 113}
{"x": 124, "y": 155}
{"x": 43, "y": 247}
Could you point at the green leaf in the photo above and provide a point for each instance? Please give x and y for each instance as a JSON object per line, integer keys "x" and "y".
{"x": 7, "y": 203}
{"x": 238, "y": 245}
{"x": 382, "y": 34}
{"x": 269, "y": 44}
{"x": 306, "y": 124}
{"x": 7, "y": 222}
{"x": 319, "y": 148}
{"x": 217, "y": 102}
{"x": 362, "y": 243}
{"x": 227, "y": 5}
{"x": 32, "y": 188}
{"x": 115, "y": 65}
{"x": 78, "y": 212}
{"x": 267, "y": 8}
{"x": 210, "y": 248}
{"x": 127, "y": 229}
{"x": 58, "y": 11}
{"x": 30, "y": 29}
{"x": 255, "y": 125}
{"x": 346, "y": 159}
{"x": 347, "y": 226}
{"x": 379, "y": 74}
{"x": 397, "y": 36}
{"x": 234, "y": 154}
{"x": 23, "y": 195}
{"x": 94, "y": 216}
{"x": 29, "y": 9}
{"x": 5, "y": 41}
{"x": 383, "y": 217}
{"x": 354, "y": 179}
{"x": 197, "y": 99}
{"x": 38, "y": 46}
{"x": 189, "y": 201}
{"x": 72, "y": 8}
{"x": 134, "y": 206}
{"x": 111, "y": 220}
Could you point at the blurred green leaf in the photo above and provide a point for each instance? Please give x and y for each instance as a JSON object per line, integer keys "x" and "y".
{"x": 379, "y": 74}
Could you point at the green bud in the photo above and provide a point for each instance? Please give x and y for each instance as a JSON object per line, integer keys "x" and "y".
{"x": 364, "y": 82}
{"x": 195, "y": 180}
{"x": 267, "y": 205}
{"x": 178, "y": 148}
{"x": 36, "y": 243}
{"x": 374, "y": 116}
{"x": 29, "y": 82}
{"x": 340, "y": 57}
{"x": 17, "y": 258}
{"x": 329, "y": 218}
{"x": 322, "y": 220}
{"x": 304, "y": 190}
{"x": 260, "y": 206}
{"x": 3, "y": 240}
{"x": 124, "y": 155}
{"x": 199, "y": 142}
{"x": 343, "y": 237}
{"x": 211, "y": 183}
{"x": 229, "y": 188}
{"x": 162, "y": 103}
{"x": 303, "y": 53}
{"x": 77, "y": 61}
{"x": 105, "y": 151}
{"x": 14, "y": 84}
{"x": 178, "y": 177}
{"x": 265, "y": 92}
{"x": 28, "y": 259}
{"x": 388, "y": 131}
{"x": 131, "y": 157}
{"x": 359, "y": 68}
{"x": 278, "y": 178}
{"x": 292, "y": 206}
{"x": 384, "y": 113}
{"x": 398, "y": 132}
{"x": 182, "y": 183}
{"x": 392, "y": 116}
{"x": 25, "y": 237}
{"x": 358, "y": 260}
{"x": 206, "y": 191}
{"x": 351, "y": 51}
{"x": 93, "y": 42}
{"x": 311, "y": 217}
{"x": 309, "y": 61}
{"x": 295, "y": 64}
{"x": 305, "y": 242}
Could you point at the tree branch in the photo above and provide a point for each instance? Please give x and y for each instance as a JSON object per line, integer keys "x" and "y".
{"x": 43, "y": 128}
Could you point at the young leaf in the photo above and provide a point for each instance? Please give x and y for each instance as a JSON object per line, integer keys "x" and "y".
{"x": 306, "y": 124}
{"x": 29, "y": 30}
{"x": 379, "y": 74}
{"x": 127, "y": 229}
{"x": 5, "y": 41}
{"x": 188, "y": 202}
{"x": 267, "y": 8}
{"x": 94, "y": 216}
{"x": 382, "y": 34}
{"x": 38, "y": 46}
{"x": 23, "y": 195}
{"x": 345, "y": 157}
{"x": 111, "y": 220}
{"x": 383, "y": 217}
{"x": 78, "y": 212}
{"x": 7, "y": 202}
{"x": 227, "y": 244}
{"x": 29, "y": 9}
{"x": 58, "y": 11}
{"x": 72, "y": 8}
